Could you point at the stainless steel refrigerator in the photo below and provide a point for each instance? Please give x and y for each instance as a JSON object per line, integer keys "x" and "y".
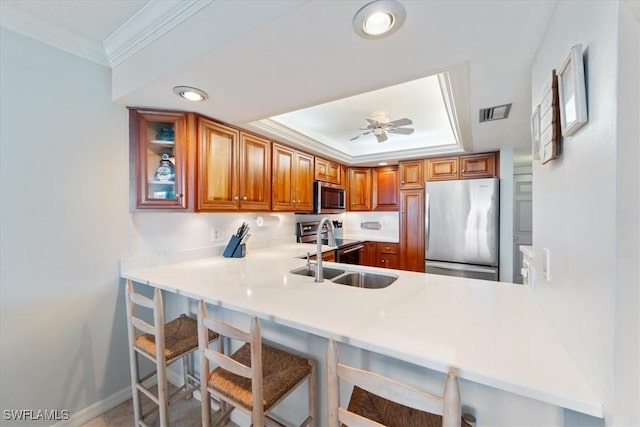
{"x": 461, "y": 228}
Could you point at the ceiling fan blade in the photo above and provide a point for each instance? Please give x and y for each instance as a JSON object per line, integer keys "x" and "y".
{"x": 373, "y": 123}
{"x": 399, "y": 122}
{"x": 402, "y": 131}
{"x": 358, "y": 136}
{"x": 382, "y": 137}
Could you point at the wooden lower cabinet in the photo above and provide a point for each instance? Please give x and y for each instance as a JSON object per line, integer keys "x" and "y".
{"x": 388, "y": 253}
{"x": 329, "y": 256}
{"x": 369, "y": 251}
{"x": 412, "y": 230}
{"x": 380, "y": 254}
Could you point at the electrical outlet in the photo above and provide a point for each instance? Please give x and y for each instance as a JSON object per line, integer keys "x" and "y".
{"x": 217, "y": 235}
{"x": 546, "y": 264}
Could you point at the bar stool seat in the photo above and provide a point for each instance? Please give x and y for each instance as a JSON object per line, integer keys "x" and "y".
{"x": 180, "y": 337}
{"x": 281, "y": 371}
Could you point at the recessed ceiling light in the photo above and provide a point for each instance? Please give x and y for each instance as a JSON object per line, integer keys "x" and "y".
{"x": 379, "y": 19}
{"x": 383, "y": 164}
{"x": 190, "y": 93}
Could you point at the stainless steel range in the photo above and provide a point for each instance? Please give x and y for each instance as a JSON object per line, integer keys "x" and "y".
{"x": 347, "y": 252}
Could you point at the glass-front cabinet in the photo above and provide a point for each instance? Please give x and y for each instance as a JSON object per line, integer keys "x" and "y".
{"x": 159, "y": 158}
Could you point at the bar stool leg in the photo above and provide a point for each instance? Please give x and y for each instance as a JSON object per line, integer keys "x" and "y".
{"x": 137, "y": 412}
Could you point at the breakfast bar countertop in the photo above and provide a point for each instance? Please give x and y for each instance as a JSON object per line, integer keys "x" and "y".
{"x": 492, "y": 333}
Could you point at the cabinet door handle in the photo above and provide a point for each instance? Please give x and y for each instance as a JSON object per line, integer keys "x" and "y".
{"x": 236, "y": 198}
{"x": 402, "y": 182}
{"x": 244, "y": 197}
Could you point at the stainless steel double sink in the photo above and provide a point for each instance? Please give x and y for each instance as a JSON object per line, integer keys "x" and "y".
{"x": 358, "y": 279}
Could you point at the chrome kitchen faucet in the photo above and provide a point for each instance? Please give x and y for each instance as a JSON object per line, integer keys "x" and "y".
{"x": 332, "y": 242}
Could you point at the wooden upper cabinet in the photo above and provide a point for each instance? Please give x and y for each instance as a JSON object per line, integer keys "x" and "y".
{"x": 478, "y": 166}
{"x": 304, "y": 182}
{"x": 411, "y": 174}
{"x": 385, "y": 188}
{"x": 360, "y": 189}
{"x": 161, "y": 146}
{"x": 463, "y": 167}
{"x": 442, "y": 168}
{"x": 255, "y": 173}
{"x": 218, "y": 171}
{"x": 234, "y": 169}
{"x": 412, "y": 230}
{"x": 292, "y": 180}
{"x": 328, "y": 171}
{"x": 282, "y": 181}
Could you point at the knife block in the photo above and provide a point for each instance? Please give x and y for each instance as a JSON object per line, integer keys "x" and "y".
{"x": 234, "y": 249}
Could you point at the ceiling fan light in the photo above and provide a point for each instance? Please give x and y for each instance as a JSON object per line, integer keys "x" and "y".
{"x": 378, "y": 19}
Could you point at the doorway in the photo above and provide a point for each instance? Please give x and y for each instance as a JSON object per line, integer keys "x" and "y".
{"x": 522, "y": 216}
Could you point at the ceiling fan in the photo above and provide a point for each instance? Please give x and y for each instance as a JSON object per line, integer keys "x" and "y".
{"x": 379, "y": 125}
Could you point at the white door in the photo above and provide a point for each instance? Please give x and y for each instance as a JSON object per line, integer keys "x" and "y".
{"x": 522, "y": 220}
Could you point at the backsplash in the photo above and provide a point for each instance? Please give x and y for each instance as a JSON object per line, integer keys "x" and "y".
{"x": 153, "y": 233}
{"x": 167, "y": 232}
{"x": 379, "y": 226}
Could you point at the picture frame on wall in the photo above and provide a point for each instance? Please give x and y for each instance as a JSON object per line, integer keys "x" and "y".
{"x": 572, "y": 93}
{"x": 535, "y": 132}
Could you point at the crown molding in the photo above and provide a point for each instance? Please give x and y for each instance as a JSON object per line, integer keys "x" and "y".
{"x": 16, "y": 20}
{"x": 149, "y": 24}
{"x": 299, "y": 140}
{"x": 275, "y": 129}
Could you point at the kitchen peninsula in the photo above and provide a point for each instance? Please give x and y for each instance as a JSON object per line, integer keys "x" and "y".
{"x": 492, "y": 333}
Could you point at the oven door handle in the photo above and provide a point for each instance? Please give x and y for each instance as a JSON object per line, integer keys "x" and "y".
{"x": 352, "y": 249}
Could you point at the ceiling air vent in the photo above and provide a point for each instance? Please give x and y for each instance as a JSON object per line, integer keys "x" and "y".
{"x": 494, "y": 113}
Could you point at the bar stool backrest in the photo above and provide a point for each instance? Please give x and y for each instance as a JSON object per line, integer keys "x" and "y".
{"x": 448, "y": 405}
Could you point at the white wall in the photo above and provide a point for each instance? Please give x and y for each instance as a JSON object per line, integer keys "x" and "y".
{"x": 626, "y": 410}
{"x": 576, "y": 200}
{"x": 64, "y": 227}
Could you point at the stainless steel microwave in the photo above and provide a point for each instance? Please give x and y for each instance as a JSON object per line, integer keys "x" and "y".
{"x": 328, "y": 198}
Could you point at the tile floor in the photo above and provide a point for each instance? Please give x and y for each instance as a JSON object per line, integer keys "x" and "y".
{"x": 183, "y": 413}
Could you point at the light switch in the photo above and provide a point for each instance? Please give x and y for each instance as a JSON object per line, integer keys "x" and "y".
{"x": 546, "y": 264}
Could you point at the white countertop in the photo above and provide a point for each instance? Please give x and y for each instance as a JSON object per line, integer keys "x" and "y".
{"x": 492, "y": 333}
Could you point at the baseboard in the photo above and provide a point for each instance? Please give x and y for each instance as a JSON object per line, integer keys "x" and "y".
{"x": 102, "y": 406}
{"x": 98, "y": 408}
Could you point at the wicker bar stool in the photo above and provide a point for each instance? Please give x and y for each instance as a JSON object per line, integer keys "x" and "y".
{"x": 177, "y": 339}
{"x": 378, "y": 401}
{"x": 254, "y": 379}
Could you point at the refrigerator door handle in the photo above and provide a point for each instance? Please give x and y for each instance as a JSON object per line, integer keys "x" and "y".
{"x": 426, "y": 222}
